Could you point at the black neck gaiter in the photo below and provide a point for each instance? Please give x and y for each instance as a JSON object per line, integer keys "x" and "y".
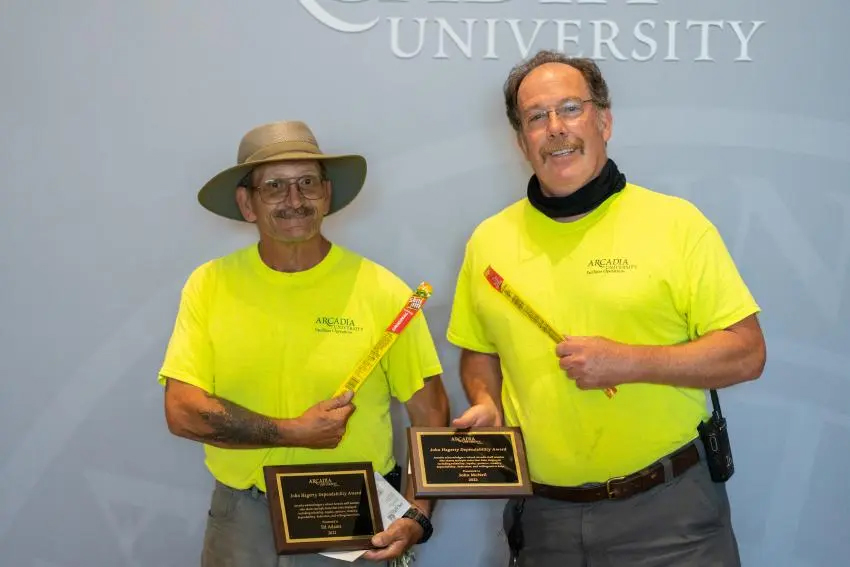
{"x": 584, "y": 200}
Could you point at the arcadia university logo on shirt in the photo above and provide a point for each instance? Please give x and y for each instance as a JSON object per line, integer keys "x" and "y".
{"x": 609, "y": 266}
{"x": 337, "y": 325}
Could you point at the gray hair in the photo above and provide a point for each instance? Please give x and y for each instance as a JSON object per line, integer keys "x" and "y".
{"x": 587, "y": 67}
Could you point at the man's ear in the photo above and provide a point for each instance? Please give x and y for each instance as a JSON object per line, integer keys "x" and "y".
{"x": 606, "y": 124}
{"x": 243, "y": 199}
{"x": 520, "y": 142}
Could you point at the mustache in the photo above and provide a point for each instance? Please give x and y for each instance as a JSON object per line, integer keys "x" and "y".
{"x": 561, "y": 145}
{"x": 299, "y": 213}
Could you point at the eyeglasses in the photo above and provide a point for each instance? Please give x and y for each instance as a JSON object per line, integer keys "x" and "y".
{"x": 570, "y": 109}
{"x": 273, "y": 191}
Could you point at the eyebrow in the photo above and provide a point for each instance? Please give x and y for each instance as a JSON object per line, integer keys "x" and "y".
{"x": 561, "y": 101}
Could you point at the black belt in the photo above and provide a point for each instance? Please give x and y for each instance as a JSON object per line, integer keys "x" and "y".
{"x": 623, "y": 486}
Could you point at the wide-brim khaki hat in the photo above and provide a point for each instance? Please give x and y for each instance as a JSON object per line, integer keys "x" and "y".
{"x": 288, "y": 140}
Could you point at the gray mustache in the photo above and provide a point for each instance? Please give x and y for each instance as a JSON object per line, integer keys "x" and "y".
{"x": 560, "y": 145}
{"x": 302, "y": 212}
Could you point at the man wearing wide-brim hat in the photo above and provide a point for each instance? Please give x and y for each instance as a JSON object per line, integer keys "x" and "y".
{"x": 265, "y": 335}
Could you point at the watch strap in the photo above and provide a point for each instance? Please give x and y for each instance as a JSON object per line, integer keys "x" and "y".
{"x": 414, "y": 514}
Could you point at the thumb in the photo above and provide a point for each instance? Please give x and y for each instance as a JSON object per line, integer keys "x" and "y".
{"x": 383, "y": 539}
{"x": 339, "y": 401}
{"x": 378, "y": 540}
{"x": 565, "y": 347}
{"x": 466, "y": 420}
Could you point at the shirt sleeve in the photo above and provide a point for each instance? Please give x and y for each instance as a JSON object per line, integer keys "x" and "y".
{"x": 465, "y": 329}
{"x": 412, "y": 359}
{"x": 189, "y": 354}
{"x": 717, "y": 296}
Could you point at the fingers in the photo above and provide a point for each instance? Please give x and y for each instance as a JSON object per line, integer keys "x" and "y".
{"x": 479, "y": 415}
{"x": 565, "y": 347}
{"x": 574, "y": 364}
{"x": 338, "y": 423}
{"x": 342, "y": 414}
{"x": 476, "y": 416}
{"x": 385, "y": 538}
{"x": 391, "y": 552}
{"x": 582, "y": 382}
{"x": 466, "y": 420}
{"x": 339, "y": 401}
{"x": 574, "y": 370}
{"x": 392, "y": 542}
{"x": 334, "y": 438}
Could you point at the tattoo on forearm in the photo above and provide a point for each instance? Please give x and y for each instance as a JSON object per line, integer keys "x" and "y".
{"x": 232, "y": 423}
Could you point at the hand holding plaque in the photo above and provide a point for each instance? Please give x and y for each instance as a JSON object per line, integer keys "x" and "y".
{"x": 333, "y": 507}
{"x": 482, "y": 414}
{"x": 323, "y": 507}
{"x": 484, "y": 462}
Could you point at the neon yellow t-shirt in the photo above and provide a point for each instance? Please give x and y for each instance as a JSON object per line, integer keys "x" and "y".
{"x": 278, "y": 343}
{"x": 643, "y": 268}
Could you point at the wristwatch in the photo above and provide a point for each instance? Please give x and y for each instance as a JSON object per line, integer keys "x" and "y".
{"x": 414, "y": 514}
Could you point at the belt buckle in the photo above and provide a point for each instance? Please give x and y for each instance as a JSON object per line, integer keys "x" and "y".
{"x": 608, "y": 486}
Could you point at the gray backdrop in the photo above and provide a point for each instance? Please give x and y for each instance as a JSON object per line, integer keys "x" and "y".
{"x": 114, "y": 113}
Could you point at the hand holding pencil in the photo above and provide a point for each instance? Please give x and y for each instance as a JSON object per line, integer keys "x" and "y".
{"x": 566, "y": 348}
{"x": 366, "y": 364}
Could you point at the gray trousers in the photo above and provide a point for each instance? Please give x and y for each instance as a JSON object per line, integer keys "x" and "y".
{"x": 682, "y": 523}
{"x": 239, "y": 534}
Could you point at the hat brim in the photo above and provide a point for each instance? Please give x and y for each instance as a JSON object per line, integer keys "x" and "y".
{"x": 347, "y": 173}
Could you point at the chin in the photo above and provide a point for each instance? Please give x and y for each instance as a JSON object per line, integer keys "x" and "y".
{"x": 560, "y": 186}
{"x": 297, "y": 237}
{"x": 566, "y": 182}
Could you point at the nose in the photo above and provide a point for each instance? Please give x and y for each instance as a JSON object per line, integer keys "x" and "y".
{"x": 555, "y": 125}
{"x": 295, "y": 197}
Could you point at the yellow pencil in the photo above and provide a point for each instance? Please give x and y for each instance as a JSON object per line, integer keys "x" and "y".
{"x": 365, "y": 366}
{"x": 500, "y": 285}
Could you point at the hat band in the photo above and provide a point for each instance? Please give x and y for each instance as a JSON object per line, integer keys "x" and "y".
{"x": 282, "y": 148}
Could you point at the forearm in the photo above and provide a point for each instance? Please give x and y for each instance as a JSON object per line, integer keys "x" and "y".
{"x": 716, "y": 360}
{"x": 426, "y": 506}
{"x": 227, "y": 425}
{"x": 206, "y": 418}
{"x": 481, "y": 377}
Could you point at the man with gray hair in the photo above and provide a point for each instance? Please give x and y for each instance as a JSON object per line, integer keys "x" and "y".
{"x": 265, "y": 335}
{"x": 650, "y": 311}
